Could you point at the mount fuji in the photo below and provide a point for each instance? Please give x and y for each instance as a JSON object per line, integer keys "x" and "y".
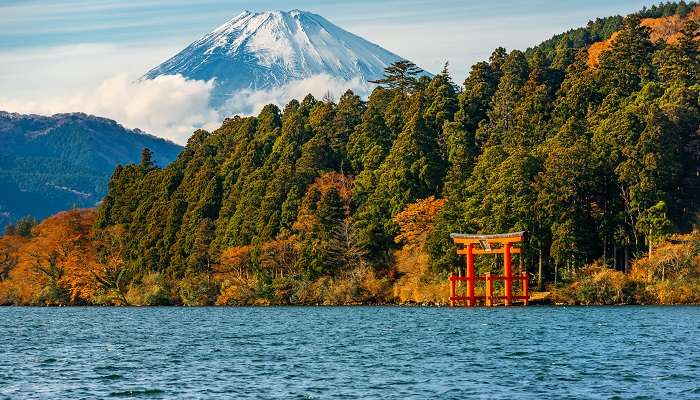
{"x": 268, "y": 50}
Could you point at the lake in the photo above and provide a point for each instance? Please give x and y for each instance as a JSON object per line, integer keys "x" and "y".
{"x": 350, "y": 352}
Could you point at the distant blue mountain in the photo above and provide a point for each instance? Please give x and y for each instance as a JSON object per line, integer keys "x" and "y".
{"x": 48, "y": 164}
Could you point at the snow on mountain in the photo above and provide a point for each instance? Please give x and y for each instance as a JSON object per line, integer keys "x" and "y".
{"x": 267, "y": 50}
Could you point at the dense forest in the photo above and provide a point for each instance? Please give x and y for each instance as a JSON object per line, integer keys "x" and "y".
{"x": 598, "y": 161}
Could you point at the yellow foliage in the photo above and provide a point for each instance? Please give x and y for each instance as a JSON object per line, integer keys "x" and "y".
{"x": 677, "y": 292}
{"x": 236, "y": 293}
{"x": 358, "y": 286}
{"x": 670, "y": 276}
{"x": 417, "y": 284}
{"x": 153, "y": 290}
{"x": 677, "y": 258}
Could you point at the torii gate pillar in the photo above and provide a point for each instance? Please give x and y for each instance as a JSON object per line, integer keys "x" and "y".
{"x": 508, "y": 270}
{"x": 471, "y": 300}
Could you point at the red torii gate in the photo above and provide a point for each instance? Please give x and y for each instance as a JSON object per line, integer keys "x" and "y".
{"x": 470, "y": 245}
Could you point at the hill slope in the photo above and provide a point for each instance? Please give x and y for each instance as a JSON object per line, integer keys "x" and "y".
{"x": 324, "y": 202}
{"x": 263, "y": 50}
{"x": 53, "y": 163}
{"x": 606, "y": 158}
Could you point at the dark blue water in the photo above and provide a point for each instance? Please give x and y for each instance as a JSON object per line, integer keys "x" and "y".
{"x": 350, "y": 353}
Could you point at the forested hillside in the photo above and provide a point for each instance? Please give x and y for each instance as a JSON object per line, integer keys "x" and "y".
{"x": 583, "y": 159}
{"x": 596, "y": 162}
{"x": 53, "y": 163}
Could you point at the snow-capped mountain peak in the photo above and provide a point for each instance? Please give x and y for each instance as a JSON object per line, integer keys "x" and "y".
{"x": 263, "y": 50}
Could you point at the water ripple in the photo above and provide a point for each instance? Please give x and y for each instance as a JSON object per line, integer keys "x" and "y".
{"x": 350, "y": 353}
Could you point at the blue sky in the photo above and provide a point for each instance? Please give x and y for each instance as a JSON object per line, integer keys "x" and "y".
{"x": 51, "y": 48}
{"x": 460, "y": 31}
{"x": 40, "y": 23}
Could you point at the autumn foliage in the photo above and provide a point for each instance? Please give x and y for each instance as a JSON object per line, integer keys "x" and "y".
{"x": 56, "y": 265}
{"x": 670, "y": 276}
{"x": 65, "y": 261}
{"x": 666, "y": 29}
{"x": 416, "y": 220}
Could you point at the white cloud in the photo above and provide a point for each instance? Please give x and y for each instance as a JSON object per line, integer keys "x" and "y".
{"x": 172, "y": 106}
{"x": 249, "y": 102}
{"x": 168, "y": 106}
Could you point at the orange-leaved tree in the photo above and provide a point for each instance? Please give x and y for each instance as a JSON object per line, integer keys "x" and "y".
{"x": 54, "y": 266}
{"x": 416, "y": 220}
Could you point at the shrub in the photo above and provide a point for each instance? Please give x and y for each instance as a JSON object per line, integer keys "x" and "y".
{"x": 603, "y": 286}
{"x": 678, "y": 292}
{"x": 154, "y": 290}
{"x": 359, "y": 286}
{"x": 236, "y": 293}
{"x": 197, "y": 290}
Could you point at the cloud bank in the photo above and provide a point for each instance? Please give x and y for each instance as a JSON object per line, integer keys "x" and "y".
{"x": 169, "y": 106}
{"x": 173, "y": 107}
{"x": 251, "y": 102}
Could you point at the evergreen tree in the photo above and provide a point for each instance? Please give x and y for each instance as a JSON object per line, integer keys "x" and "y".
{"x": 147, "y": 159}
{"x": 412, "y": 170}
{"x": 515, "y": 74}
{"x": 401, "y": 75}
{"x": 628, "y": 63}
{"x": 680, "y": 61}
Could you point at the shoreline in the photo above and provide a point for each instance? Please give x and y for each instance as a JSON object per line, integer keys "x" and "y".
{"x": 386, "y": 305}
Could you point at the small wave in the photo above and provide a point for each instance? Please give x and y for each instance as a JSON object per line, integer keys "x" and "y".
{"x": 111, "y": 377}
{"x": 131, "y": 393}
{"x": 102, "y": 368}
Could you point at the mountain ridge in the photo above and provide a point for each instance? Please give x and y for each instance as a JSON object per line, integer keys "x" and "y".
{"x": 268, "y": 49}
{"x": 52, "y": 163}
{"x": 16, "y": 115}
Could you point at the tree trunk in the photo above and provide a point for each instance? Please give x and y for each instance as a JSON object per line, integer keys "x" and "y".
{"x": 605, "y": 250}
{"x": 615, "y": 257}
{"x": 122, "y": 296}
{"x": 626, "y": 260}
{"x": 663, "y": 272}
{"x": 520, "y": 262}
{"x": 540, "y": 271}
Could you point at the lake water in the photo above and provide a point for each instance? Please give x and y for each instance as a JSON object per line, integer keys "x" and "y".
{"x": 350, "y": 352}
